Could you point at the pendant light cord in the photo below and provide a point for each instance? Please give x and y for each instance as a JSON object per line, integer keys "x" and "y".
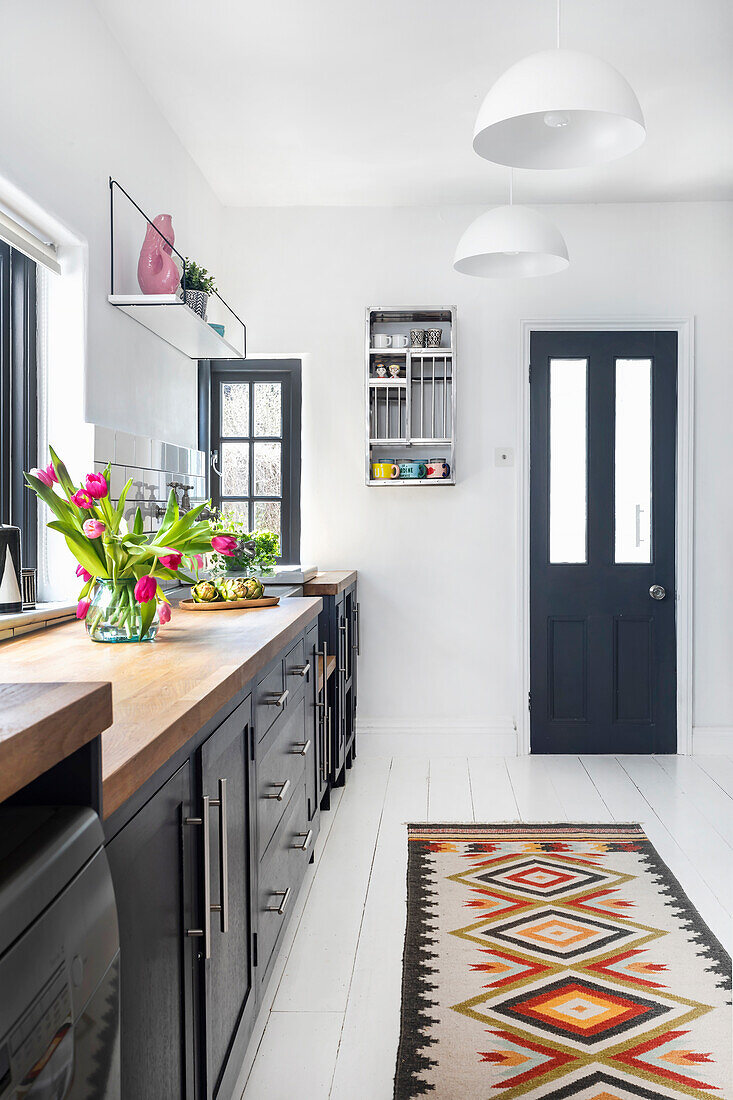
{"x": 558, "y": 24}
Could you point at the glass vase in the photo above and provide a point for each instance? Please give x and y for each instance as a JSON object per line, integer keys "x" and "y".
{"x": 114, "y": 614}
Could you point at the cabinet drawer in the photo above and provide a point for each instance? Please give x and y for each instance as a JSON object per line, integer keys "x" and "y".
{"x": 279, "y": 772}
{"x": 267, "y": 692}
{"x": 281, "y": 873}
{"x": 295, "y": 667}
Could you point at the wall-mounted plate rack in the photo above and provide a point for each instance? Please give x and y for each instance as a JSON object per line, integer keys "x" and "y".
{"x": 410, "y": 413}
{"x": 166, "y": 315}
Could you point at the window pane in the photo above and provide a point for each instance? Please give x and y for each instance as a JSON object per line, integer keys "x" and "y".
{"x": 268, "y": 479}
{"x": 237, "y": 510}
{"x": 235, "y": 469}
{"x": 235, "y": 408}
{"x": 568, "y": 459}
{"x": 633, "y": 462}
{"x": 267, "y": 515}
{"x": 268, "y": 408}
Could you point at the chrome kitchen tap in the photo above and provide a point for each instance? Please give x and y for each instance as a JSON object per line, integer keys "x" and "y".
{"x": 184, "y": 504}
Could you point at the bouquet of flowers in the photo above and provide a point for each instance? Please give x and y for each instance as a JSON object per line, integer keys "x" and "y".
{"x": 120, "y": 566}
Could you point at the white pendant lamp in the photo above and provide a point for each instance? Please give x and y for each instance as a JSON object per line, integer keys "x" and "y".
{"x": 511, "y": 242}
{"x": 559, "y": 109}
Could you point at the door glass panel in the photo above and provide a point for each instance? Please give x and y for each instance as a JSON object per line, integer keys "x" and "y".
{"x": 267, "y": 516}
{"x": 267, "y": 469}
{"x": 568, "y": 460}
{"x": 268, "y": 408}
{"x": 236, "y": 510}
{"x": 235, "y": 408}
{"x": 235, "y": 469}
{"x": 633, "y": 461}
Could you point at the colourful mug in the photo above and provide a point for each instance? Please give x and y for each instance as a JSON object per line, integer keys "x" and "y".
{"x": 412, "y": 469}
{"x": 437, "y": 468}
{"x": 384, "y": 471}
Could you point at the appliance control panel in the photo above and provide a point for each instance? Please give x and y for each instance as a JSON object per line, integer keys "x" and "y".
{"x": 39, "y": 1049}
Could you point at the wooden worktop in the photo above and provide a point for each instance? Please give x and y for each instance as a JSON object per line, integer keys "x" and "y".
{"x": 163, "y": 692}
{"x": 329, "y": 584}
{"x": 43, "y": 723}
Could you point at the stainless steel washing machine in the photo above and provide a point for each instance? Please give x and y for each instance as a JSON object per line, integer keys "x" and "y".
{"x": 59, "y": 958}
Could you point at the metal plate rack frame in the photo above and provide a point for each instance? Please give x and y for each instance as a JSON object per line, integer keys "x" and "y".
{"x": 411, "y": 416}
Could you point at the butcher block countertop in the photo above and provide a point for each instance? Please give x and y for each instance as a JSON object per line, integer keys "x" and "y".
{"x": 163, "y": 692}
{"x": 329, "y": 584}
{"x": 43, "y": 723}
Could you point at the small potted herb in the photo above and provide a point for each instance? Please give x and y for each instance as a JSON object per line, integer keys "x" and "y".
{"x": 255, "y": 554}
{"x": 199, "y": 285}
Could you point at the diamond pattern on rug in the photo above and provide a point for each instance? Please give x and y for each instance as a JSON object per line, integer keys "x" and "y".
{"x": 560, "y": 934}
{"x": 601, "y": 1085}
{"x": 575, "y": 1008}
{"x": 538, "y": 878}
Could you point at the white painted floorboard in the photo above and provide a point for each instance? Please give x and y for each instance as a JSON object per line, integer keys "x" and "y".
{"x": 329, "y": 1026}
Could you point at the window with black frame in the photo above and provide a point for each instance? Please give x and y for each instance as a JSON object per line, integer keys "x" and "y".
{"x": 255, "y": 438}
{"x": 18, "y": 395}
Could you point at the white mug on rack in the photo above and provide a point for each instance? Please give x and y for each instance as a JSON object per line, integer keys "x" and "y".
{"x": 381, "y": 340}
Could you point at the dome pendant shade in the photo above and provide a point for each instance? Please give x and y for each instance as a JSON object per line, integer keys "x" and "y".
{"x": 559, "y": 109}
{"x": 511, "y": 242}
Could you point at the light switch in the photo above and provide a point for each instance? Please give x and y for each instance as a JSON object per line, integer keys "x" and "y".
{"x": 504, "y": 456}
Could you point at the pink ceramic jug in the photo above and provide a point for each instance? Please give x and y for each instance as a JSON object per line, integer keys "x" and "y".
{"x": 157, "y": 271}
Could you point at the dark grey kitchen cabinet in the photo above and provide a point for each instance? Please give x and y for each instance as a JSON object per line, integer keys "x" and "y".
{"x": 339, "y": 628}
{"x": 227, "y": 777}
{"x": 151, "y": 865}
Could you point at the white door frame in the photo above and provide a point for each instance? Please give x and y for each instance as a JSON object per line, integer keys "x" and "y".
{"x": 685, "y": 330}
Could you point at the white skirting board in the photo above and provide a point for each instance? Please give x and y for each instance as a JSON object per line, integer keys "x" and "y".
{"x": 712, "y": 740}
{"x": 397, "y": 737}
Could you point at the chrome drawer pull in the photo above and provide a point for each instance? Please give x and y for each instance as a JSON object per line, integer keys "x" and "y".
{"x": 281, "y": 793}
{"x": 277, "y": 700}
{"x": 301, "y": 748}
{"x": 357, "y": 643}
{"x": 222, "y": 909}
{"x": 285, "y": 895}
{"x": 206, "y": 930}
{"x": 301, "y": 670}
{"x": 307, "y": 838}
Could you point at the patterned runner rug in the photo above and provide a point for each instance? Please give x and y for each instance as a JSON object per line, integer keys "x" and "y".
{"x": 557, "y": 961}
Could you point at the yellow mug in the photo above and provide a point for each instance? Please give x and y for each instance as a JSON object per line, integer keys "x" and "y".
{"x": 383, "y": 471}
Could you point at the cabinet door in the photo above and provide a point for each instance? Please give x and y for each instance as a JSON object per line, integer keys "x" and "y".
{"x": 151, "y": 870}
{"x": 226, "y": 777}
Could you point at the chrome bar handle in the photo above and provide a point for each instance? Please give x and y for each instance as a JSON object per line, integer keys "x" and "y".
{"x": 203, "y": 821}
{"x": 300, "y": 670}
{"x": 223, "y": 908}
{"x": 277, "y": 700}
{"x": 342, "y": 649}
{"x": 301, "y": 748}
{"x": 307, "y": 838}
{"x": 281, "y": 793}
{"x": 357, "y": 631}
{"x": 285, "y": 895}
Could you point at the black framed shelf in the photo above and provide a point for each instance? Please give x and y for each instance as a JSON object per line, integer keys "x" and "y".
{"x": 167, "y": 315}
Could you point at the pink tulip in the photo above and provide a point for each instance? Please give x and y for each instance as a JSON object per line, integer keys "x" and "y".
{"x": 81, "y": 608}
{"x": 93, "y": 528}
{"x": 164, "y": 614}
{"x": 43, "y": 475}
{"x": 96, "y": 486}
{"x": 224, "y": 545}
{"x": 199, "y": 559}
{"x": 82, "y": 499}
{"x": 81, "y": 572}
{"x": 172, "y": 559}
{"x": 145, "y": 589}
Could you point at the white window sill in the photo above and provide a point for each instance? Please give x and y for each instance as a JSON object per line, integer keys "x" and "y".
{"x": 43, "y": 615}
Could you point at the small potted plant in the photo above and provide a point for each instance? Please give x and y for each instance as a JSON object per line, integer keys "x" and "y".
{"x": 255, "y": 554}
{"x": 199, "y": 285}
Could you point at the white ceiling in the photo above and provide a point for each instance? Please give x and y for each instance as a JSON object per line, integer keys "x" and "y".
{"x": 333, "y": 102}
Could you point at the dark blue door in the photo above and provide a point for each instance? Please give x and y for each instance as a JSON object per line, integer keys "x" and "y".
{"x": 603, "y": 413}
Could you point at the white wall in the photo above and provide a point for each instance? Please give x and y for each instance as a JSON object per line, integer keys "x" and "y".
{"x": 85, "y": 116}
{"x": 437, "y": 566}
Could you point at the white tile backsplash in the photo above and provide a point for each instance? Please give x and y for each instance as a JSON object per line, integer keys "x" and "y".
{"x": 124, "y": 449}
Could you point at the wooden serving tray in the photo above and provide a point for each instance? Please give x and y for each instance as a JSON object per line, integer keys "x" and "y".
{"x": 230, "y": 605}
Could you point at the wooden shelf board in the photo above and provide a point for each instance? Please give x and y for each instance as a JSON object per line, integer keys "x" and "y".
{"x": 330, "y": 668}
{"x": 170, "y": 319}
{"x": 388, "y": 351}
{"x": 412, "y": 481}
{"x": 384, "y": 382}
